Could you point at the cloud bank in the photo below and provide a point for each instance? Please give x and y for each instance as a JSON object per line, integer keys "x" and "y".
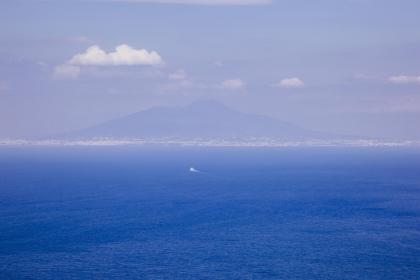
{"x": 291, "y": 83}
{"x": 202, "y": 2}
{"x": 95, "y": 56}
{"x": 123, "y": 55}
{"x": 233, "y": 84}
{"x": 402, "y": 79}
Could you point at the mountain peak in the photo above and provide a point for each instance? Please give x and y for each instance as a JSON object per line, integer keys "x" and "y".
{"x": 207, "y": 119}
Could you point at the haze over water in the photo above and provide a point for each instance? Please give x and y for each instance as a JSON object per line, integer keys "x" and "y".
{"x": 139, "y": 213}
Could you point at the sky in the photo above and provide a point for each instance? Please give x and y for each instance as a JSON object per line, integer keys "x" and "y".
{"x": 341, "y": 66}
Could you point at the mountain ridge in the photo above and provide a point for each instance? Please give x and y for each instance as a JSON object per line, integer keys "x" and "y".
{"x": 201, "y": 119}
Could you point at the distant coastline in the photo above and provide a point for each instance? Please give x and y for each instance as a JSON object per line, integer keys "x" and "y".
{"x": 212, "y": 142}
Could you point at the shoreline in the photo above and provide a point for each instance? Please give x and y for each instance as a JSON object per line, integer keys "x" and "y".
{"x": 211, "y": 143}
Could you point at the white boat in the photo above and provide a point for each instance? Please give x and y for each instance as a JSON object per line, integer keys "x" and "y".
{"x": 192, "y": 169}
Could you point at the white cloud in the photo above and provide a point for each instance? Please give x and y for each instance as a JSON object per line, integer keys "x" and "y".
{"x": 66, "y": 71}
{"x": 180, "y": 81}
{"x": 203, "y": 2}
{"x": 95, "y": 56}
{"x": 233, "y": 84}
{"x": 178, "y": 75}
{"x": 123, "y": 55}
{"x": 405, "y": 79}
{"x": 291, "y": 83}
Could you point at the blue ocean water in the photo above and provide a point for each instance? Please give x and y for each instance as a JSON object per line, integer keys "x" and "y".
{"x": 139, "y": 213}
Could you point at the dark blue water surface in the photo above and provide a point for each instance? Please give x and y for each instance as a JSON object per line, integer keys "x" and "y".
{"x": 138, "y": 213}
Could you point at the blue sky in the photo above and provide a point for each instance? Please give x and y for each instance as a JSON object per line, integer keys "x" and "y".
{"x": 344, "y": 66}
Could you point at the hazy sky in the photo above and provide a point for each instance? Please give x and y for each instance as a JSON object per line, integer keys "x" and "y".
{"x": 343, "y": 66}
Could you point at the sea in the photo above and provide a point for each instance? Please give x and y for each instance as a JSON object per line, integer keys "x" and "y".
{"x": 133, "y": 212}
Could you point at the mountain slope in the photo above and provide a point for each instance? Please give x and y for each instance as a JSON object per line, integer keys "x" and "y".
{"x": 206, "y": 119}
